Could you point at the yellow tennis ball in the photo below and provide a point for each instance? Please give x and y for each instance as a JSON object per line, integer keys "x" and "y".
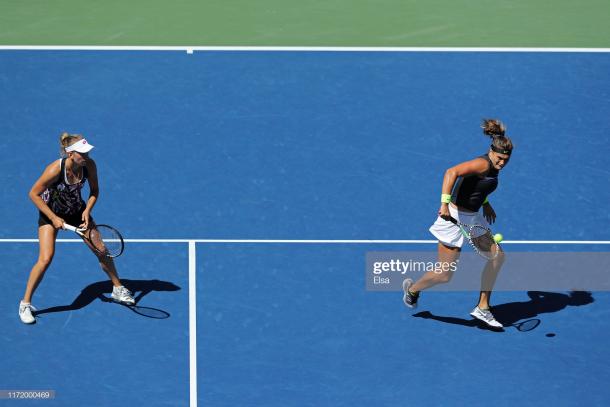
{"x": 498, "y": 237}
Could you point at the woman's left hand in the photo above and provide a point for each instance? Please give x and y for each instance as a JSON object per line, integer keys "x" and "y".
{"x": 489, "y": 213}
{"x": 85, "y": 219}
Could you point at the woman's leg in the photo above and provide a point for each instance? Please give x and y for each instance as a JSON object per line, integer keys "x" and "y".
{"x": 119, "y": 292}
{"x": 46, "y": 238}
{"x": 446, "y": 256}
{"x": 488, "y": 278}
{"x": 106, "y": 263}
{"x": 108, "y": 267}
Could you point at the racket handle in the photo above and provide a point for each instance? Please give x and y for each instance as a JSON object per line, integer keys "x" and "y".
{"x": 73, "y": 229}
{"x": 453, "y": 220}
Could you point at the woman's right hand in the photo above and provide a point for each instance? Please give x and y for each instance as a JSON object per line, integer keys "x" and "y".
{"x": 443, "y": 211}
{"x": 58, "y": 223}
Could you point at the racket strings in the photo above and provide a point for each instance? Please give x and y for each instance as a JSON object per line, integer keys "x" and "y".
{"x": 483, "y": 242}
{"x": 106, "y": 240}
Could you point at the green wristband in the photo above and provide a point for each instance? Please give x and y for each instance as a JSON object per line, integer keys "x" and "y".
{"x": 445, "y": 198}
{"x": 486, "y": 201}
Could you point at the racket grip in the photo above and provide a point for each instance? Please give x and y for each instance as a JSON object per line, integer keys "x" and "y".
{"x": 73, "y": 228}
{"x": 453, "y": 220}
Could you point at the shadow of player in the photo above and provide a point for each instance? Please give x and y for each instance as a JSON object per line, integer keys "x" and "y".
{"x": 509, "y": 314}
{"x": 97, "y": 290}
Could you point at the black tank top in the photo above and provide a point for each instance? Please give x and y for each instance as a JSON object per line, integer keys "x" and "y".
{"x": 470, "y": 191}
{"x": 63, "y": 198}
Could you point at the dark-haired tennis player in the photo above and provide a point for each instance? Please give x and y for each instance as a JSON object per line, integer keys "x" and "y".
{"x": 57, "y": 195}
{"x": 465, "y": 190}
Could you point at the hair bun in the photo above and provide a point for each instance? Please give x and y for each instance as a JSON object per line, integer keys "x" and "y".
{"x": 493, "y": 128}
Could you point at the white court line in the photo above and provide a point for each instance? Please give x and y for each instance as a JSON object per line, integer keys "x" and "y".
{"x": 191, "y": 48}
{"x": 193, "y": 272}
{"x": 309, "y": 241}
{"x": 193, "y": 322}
{"x": 192, "y": 243}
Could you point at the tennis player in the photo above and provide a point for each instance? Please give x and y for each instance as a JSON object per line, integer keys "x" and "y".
{"x": 57, "y": 195}
{"x": 465, "y": 190}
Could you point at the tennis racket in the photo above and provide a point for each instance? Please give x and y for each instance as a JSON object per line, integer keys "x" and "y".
{"x": 104, "y": 239}
{"x": 480, "y": 238}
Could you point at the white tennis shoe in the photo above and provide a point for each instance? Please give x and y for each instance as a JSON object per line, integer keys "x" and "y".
{"x": 409, "y": 299}
{"x": 25, "y": 312}
{"x": 122, "y": 295}
{"x": 486, "y": 316}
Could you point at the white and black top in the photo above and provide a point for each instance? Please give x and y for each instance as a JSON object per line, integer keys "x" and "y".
{"x": 64, "y": 198}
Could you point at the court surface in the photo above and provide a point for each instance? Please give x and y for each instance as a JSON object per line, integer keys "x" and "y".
{"x": 439, "y": 23}
{"x": 225, "y": 158}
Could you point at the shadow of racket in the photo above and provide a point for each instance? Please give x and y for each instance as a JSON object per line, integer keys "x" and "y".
{"x": 147, "y": 312}
{"x": 527, "y": 325}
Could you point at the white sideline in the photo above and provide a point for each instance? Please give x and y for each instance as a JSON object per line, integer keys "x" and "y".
{"x": 193, "y": 323}
{"x": 191, "y": 48}
{"x": 310, "y": 241}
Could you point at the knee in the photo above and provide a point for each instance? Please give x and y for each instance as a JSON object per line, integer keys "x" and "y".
{"x": 500, "y": 258}
{"x": 45, "y": 259}
{"x": 104, "y": 260}
{"x": 442, "y": 278}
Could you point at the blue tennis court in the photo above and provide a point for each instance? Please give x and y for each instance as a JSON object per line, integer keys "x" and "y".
{"x": 244, "y": 153}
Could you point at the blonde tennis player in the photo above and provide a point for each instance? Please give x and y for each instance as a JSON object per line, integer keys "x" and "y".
{"x": 57, "y": 195}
